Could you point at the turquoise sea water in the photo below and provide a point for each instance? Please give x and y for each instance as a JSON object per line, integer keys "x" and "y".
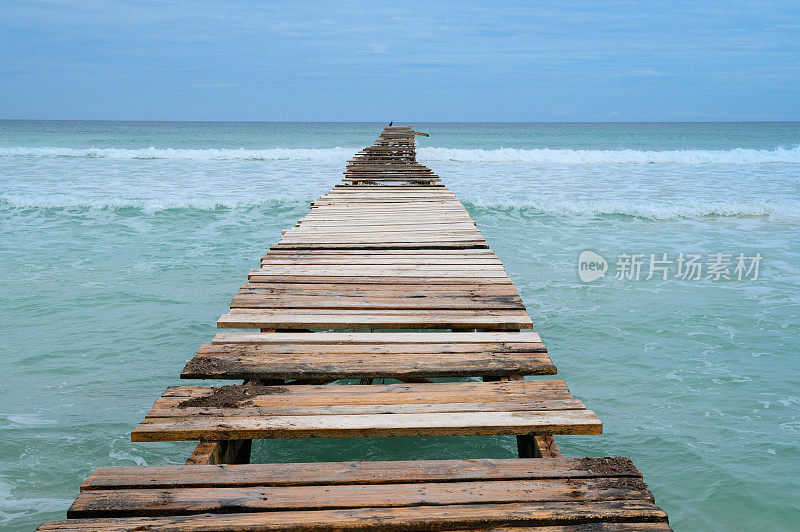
{"x": 121, "y": 243}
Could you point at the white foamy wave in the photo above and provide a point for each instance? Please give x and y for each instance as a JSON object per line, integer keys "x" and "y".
{"x": 125, "y": 456}
{"x": 28, "y": 420}
{"x": 648, "y": 210}
{"x": 548, "y": 156}
{"x": 212, "y": 154}
{"x": 56, "y": 202}
{"x": 654, "y": 210}
{"x": 339, "y": 155}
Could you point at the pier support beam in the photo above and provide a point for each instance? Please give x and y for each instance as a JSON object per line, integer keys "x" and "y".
{"x": 537, "y": 446}
{"x": 531, "y": 445}
{"x": 221, "y": 452}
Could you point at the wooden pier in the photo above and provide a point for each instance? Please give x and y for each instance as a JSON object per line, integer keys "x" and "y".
{"x": 386, "y": 278}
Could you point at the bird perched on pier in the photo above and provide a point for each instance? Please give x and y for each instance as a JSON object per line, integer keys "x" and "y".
{"x": 392, "y": 122}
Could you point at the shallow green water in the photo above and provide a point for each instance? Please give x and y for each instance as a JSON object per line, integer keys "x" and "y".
{"x": 116, "y": 265}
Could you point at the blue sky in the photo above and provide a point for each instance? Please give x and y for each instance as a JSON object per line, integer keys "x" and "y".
{"x": 418, "y": 61}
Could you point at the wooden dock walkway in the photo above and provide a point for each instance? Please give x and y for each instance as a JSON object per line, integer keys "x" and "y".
{"x": 386, "y": 278}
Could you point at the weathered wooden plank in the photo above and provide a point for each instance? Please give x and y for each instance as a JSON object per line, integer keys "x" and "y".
{"x": 411, "y": 211}
{"x": 370, "y": 472}
{"x": 374, "y": 319}
{"x": 483, "y": 252}
{"x": 431, "y": 349}
{"x": 413, "y": 289}
{"x": 465, "y": 227}
{"x": 355, "y": 301}
{"x": 443, "y": 392}
{"x": 475, "y": 276}
{"x": 343, "y": 409}
{"x": 384, "y": 239}
{"x": 223, "y": 427}
{"x": 547, "y": 513}
{"x": 361, "y": 338}
{"x": 377, "y": 260}
{"x": 171, "y": 408}
{"x": 380, "y": 245}
{"x": 413, "y": 283}
{"x": 595, "y": 526}
{"x": 375, "y": 224}
{"x": 183, "y": 501}
{"x": 379, "y": 289}
{"x": 309, "y": 362}
{"x": 389, "y": 270}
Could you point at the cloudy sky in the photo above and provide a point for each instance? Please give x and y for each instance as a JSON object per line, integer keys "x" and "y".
{"x": 420, "y": 61}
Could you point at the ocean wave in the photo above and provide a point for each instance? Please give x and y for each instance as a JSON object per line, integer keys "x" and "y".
{"x": 549, "y": 156}
{"x": 59, "y": 202}
{"x": 210, "y": 154}
{"x": 645, "y": 210}
{"x": 653, "y": 210}
{"x": 745, "y": 156}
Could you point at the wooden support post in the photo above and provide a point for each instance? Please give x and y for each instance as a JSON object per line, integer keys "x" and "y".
{"x": 546, "y": 446}
{"x": 531, "y": 445}
{"x": 221, "y": 452}
{"x": 537, "y": 446}
{"x": 526, "y": 447}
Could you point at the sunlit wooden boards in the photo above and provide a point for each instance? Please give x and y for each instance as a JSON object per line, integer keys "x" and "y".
{"x": 314, "y": 290}
{"x": 338, "y": 355}
{"x": 548, "y": 495}
{"x": 255, "y": 295}
{"x": 373, "y": 219}
{"x": 367, "y": 258}
{"x": 239, "y": 318}
{"x": 428, "y": 409}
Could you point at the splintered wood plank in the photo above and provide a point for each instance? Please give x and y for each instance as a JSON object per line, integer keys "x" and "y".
{"x": 476, "y": 277}
{"x": 384, "y": 239}
{"x": 540, "y": 513}
{"x": 381, "y": 245}
{"x": 483, "y": 252}
{"x": 372, "y": 472}
{"x": 352, "y": 204}
{"x": 400, "y": 177}
{"x": 356, "y": 338}
{"x": 533, "y": 395}
{"x": 371, "y": 301}
{"x": 387, "y": 270}
{"x": 411, "y": 209}
{"x": 382, "y": 280}
{"x": 378, "y": 259}
{"x": 181, "y": 523}
{"x": 236, "y": 362}
{"x": 415, "y": 288}
{"x": 177, "y": 501}
{"x": 434, "y": 409}
{"x": 225, "y": 427}
{"x": 362, "y": 355}
{"x": 376, "y": 224}
{"x": 462, "y": 227}
{"x": 374, "y": 287}
{"x": 374, "y": 319}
